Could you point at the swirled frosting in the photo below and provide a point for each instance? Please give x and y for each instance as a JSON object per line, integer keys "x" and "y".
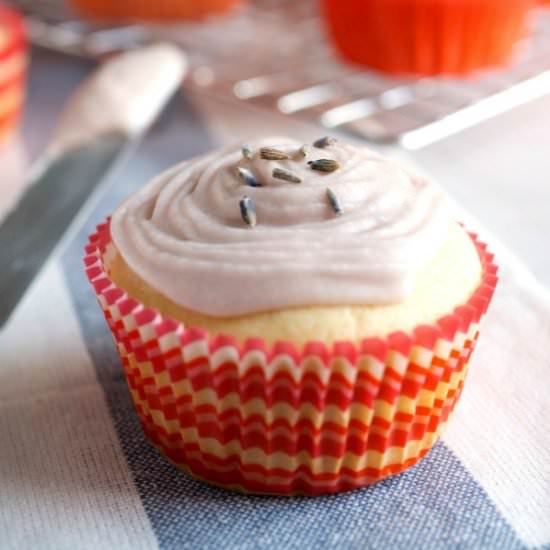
{"x": 184, "y": 234}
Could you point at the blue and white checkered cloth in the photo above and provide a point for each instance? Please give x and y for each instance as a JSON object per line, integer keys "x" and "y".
{"x": 76, "y": 472}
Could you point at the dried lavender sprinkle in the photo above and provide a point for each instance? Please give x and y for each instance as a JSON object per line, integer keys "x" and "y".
{"x": 324, "y": 165}
{"x": 304, "y": 151}
{"x": 334, "y": 202}
{"x": 246, "y": 151}
{"x": 323, "y": 142}
{"x": 286, "y": 175}
{"x": 248, "y": 211}
{"x": 247, "y": 177}
{"x": 270, "y": 153}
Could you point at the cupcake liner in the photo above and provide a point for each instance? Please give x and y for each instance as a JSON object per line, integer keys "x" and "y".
{"x": 282, "y": 420}
{"x": 153, "y": 9}
{"x": 13, "y": 64}
{"x": 426, "y": 37}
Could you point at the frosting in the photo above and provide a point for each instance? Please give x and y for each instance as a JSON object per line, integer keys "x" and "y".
{"x": 186, "y": 236}
{"x": 124, "y": 95}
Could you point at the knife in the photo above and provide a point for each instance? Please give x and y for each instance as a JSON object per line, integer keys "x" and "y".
{"x": 103, "y": 120}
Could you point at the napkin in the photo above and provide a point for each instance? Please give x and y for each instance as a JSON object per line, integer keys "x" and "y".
{"x": 76, "y": 471}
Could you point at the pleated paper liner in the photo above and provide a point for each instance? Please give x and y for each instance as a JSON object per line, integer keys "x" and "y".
{"x": 153, "y": 9}
{"x": 277, "y": 419}
{"x": 13, "y": 66}
{"x": 426, "y": 37}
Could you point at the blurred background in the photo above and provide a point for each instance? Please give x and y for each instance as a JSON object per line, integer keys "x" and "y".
{"x": 459, "y": 89}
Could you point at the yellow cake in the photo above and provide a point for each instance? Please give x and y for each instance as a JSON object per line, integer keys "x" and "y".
{"x": 447, "y": 281}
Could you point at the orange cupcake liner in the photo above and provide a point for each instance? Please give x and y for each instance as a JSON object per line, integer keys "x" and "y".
{"x": 13, "y": 66}
{"x": 426, "y": 37}
{"x": 153, "y": 9}
{"x": 282, "y": 420}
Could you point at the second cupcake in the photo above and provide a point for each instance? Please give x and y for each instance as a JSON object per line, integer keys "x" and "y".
{"x": 13, "y": 67}
{"x": 153, "y": 10}
{"x": 427, "y": 36}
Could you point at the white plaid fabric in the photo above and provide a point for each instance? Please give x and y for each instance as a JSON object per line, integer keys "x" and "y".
{"x": 76, "y": 471}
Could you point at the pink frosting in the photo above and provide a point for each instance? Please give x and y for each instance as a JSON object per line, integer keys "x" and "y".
{"x": 184, "y": 235}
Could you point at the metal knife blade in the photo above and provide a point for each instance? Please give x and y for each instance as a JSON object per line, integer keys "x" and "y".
{"x": 31, "y": 231}
{"x": 106, "y": 114}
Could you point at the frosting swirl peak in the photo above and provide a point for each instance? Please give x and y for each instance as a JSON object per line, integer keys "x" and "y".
{"x": 362, "y": 242}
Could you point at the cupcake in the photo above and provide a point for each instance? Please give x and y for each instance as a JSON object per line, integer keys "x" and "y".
{"x": 151, "y": 10}
{"x": 13, "y": 63}
{"x": 426, "y": 36}
{"x": 291, "y": 318}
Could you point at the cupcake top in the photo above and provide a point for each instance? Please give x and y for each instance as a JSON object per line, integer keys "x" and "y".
{"x": 278, "y": 224}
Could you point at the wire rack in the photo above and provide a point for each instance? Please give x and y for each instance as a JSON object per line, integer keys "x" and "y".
{"x": 274, "y": 54}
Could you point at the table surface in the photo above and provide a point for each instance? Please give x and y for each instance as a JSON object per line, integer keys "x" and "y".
{"x": 75, "y": 469}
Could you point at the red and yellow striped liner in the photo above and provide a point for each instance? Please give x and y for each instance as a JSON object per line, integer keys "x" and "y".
{"x": 13, "y": 65}
{"x": 278, "y": 420}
